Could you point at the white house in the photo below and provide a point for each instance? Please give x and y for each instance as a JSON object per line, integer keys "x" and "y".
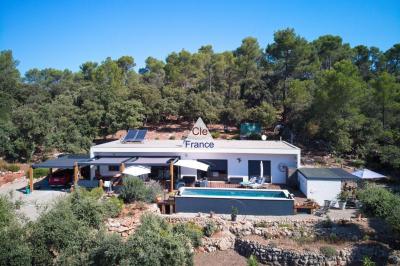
{"x": 227, "y": 159}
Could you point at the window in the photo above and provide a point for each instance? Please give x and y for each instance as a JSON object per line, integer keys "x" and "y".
{"x": 255, "y": 169}
{"x": 113, "y": 168}
{"x": 218, "y": 170}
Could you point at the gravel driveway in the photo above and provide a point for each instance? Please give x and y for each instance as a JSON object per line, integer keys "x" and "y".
{"x": 35, "y": 202}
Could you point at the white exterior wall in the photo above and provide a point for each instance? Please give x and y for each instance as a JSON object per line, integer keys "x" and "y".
{"x": 303, "y": 183}
{"x": 320, "y": 190}
{"x": 235, "y": 168}
{"x": 104, "y": 171}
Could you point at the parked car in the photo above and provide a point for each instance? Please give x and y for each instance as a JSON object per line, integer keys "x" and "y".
{"x": 60, "y": 178}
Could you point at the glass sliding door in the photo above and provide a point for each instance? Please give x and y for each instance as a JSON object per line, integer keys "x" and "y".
{"x": 254, "y": 169}
{"x": 218, "y": 170}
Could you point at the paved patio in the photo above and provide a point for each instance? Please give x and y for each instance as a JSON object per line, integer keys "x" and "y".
{"x": 32, "y": 203}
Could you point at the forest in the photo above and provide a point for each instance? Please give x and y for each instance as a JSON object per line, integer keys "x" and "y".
{"x": 324, "y": 94}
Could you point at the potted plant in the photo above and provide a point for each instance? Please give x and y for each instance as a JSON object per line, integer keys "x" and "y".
{"x": 342, "y": 199}
{"x": 234, "y": 213}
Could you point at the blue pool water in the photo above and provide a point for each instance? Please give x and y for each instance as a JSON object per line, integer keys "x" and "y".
{"x": 240, "y": 193}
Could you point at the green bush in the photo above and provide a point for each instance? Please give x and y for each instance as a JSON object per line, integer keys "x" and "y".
{"x": 252, "y": 261}
{"x": 367, "y": 261}
{"x": 7, "y": 212}
{"x": 328, "y": 251}
{"x": 154, "y": 243}
{"x": 14, "y": 248}
{"x": 110, "y": 250}
{"x": 377, "y": 201}
{"x": 153, "y": 189}
{"x": 210, "y": 229}
{"x": 56, "y": 231}
{"x": 327, "y": 223}
{"x": 96, "y": 193}
{"x": 134, "y": 189}
{"x": 12, "y": 168}
{"x": 40, "y": 172}
{"x": 215, "y": 134}
{"x": 112, "y": 206}
{"x": 191, "y": 231}
{"x": 87, "y": 208}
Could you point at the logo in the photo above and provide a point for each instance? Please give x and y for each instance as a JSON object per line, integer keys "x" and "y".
{"x": 199, "y": 137}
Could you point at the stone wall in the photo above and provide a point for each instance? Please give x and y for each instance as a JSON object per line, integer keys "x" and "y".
{"x": 277, "y": 255}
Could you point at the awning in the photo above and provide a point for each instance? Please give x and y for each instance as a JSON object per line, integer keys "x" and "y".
{"x": 149, "y": 161}
{"x": 63, "y": 162}
{"x": 193, "y": 164}
{"x": 136, "y": 170}
{"x": 367, "y": 174}
{"x": 106, "y": 161}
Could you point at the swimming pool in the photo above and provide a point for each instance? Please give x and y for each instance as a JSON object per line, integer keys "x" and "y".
{"x": 247, "y": 201}
{"x": 237, "y": 193}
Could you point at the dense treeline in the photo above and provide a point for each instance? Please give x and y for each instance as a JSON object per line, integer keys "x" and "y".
{"x": 324, "y": 94}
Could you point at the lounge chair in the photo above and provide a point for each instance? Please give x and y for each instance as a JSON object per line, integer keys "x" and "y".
{"x": 251, "y": 181}
{"x": 259, "y": 183}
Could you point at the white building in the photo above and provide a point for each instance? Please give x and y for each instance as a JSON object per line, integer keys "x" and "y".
{"x": 227, "y": 159}
{"x": 322, "y": 184}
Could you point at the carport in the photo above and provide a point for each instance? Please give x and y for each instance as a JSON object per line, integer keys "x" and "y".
{"x": 70, "y": 161}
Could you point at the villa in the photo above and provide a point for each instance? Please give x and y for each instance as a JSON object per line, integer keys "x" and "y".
{"x": 211, "y": 175}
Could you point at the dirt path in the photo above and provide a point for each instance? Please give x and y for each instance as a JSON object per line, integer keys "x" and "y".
{"x": 219, "y": 258}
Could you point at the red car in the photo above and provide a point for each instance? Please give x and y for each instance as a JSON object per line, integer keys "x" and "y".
{"x": 60, "y": 178}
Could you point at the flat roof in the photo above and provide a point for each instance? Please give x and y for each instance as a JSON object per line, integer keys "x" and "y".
{"x": 220, "y": 146}
{"x": 62, "y": 162}
{"x": 326, "y": 174}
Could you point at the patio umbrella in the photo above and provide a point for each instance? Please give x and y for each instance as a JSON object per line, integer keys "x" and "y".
{"x": 193, "y": 164}
{"x": 136, "y": 170}
{"x": 261, "y": 169}
{"x": 367, "y": 174}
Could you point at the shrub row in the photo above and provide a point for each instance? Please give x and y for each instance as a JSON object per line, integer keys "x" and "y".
{"x": 71, "y": 233}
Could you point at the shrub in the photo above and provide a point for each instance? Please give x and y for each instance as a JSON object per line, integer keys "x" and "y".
{"x": 215, "y": 134}
{"x": 55, "y": 231}
{"x": 191, "y": 231}
{"x": 14, "y": 247}
{"x": 7, "y": 212}
{"x": 12, "y": 167}
{"x": 210, "y": 229}
{"x": 153, "y": 189}
{"x": 134, "y": 189}
{"x": 112, "y": 206}
{"x": 40, "y": 172}
{"x": 96, "y": 193}
{"x": 252, "y": 261}
{"x": 172, "y": 137}
{"x": 110, "y": 250}
{"x": 328, "y": 251}
{"x": 377, "y": 201}
{"x": 367, "y": 261}
{"x": 327, "y": 223}
{"x": 155, "y": 244}
{"x": 87, "y": 208}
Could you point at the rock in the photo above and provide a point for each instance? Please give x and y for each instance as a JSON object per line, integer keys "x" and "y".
{"x": 393, "y": 259}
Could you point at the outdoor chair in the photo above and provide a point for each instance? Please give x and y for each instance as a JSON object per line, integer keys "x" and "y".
{"x": 259, "y": 183}
{"x": 252, "y": 180}
{"x": 324, "y": 209}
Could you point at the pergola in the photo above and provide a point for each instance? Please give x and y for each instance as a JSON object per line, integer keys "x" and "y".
{"x": 74, "y": 161}
{"x": 70, "y": 161}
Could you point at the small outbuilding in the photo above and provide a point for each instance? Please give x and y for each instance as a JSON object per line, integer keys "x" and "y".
{"x": 322, "y": 184}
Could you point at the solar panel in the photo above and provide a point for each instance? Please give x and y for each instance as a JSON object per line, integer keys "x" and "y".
{"x": 131, "y": 135}
{"x": 135, "y": 135}
{"x": 141, "y": 134}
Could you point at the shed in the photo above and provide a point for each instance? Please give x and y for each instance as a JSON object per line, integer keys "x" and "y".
{"x": 322, "y": 184}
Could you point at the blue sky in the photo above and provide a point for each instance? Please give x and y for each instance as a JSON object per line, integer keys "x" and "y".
{"x": 64, "y": 34}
